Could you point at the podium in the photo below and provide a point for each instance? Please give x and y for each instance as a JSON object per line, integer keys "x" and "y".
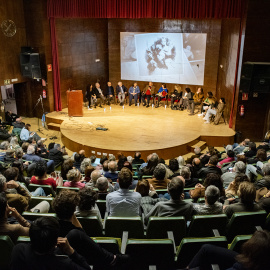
{"x": 75, "y": 103}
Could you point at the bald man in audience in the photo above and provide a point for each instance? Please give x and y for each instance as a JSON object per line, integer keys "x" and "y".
{"x": 94, "y": 177}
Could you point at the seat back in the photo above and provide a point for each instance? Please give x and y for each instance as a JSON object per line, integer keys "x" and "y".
{"x": 151, "y": 252}
{"x": 244, "y": 223}
{"x": 238, "y": 241}
{"x": 47, "y": 189}
{"x": 23, "y": 239}
{"x": 91, "y": 225}
{"x": 102, "y": 207}
{"x": 110, "y": 244}
{"x": 114, "y": 227}
{"x": 161, "y": 191}
{"x": 59, "y": 189}
{"x": 33, "y": 216}
{"x": 6, "y": 246}
{"x": 190, "y": 246}
{"x": 202, "y": 226}
{"x": 36, "y": 200}
{"x": 158, "y": 227}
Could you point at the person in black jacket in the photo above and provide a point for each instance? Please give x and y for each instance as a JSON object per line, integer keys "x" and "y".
{"x": 97, "y": 93}
{"x": 109, "y": 93}
{"x": 211, "y": 167}
{"x": 56, "y": 154}
{"x": 88, "y": 94}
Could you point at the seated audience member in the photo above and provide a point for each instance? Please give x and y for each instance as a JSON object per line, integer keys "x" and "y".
{"x": 47, "y": 249}
{"x": 77, "y": 161}
{"x": 56, "y": 154}
{"x": 174, "y": 169}
{"x": 4, "y": 133}
{"x": 40, "y": 176}
{"x": 260, "y": 157}
{"x": 25, "y": 147}
{"x": 176, "y": 206}
{"x": 149, "y": 168}
{"x": 211, "y": 167}
{"x": 254, "y": 255}
{"x": 254, "y": 170}
{"x": 230, "y": 158}
{"x": 123, "y": 203}
{"x": 134, "y": 182}
{"x": 210, "y": 100}
{"x": 3, "y": 149}
{"x": 14, "y": 143}
{"x": 197, "y": 100}
{"x": 85, "y": 163}
{"x": 10, "y": 117}
{"x": 74, "y": 179}
{"x": 239, "y": 169}
{"x": 195, "y": 167}
{"x": 211, "y": 179}
{"x": 233, "y": 187}
{"x": 211, "y": 205}
{"x": 112, "y": 174}
{"x": 42, "y": 150}
{"x": 159, "y": 181}
{"x": 149, "y": 198}
{"x": 215, "y": 111}
{"x": 87, "y": 206}
{"x": 87, "y": 173}
{"x": 66, "y": 167}
{"x": 128, "y": 165}
{"x": 12, "y": 230}
{"x": 93, "y": 161}
{"x": 197, "y": 152}
{"x": 105, "y": 167}
{"x": 137, "y": 159}
{"x": 241, "y": 147}
{"x": 21, "y": 178}
{"x": 211, "y": 152}
{"x": 20, "y": 200}
{"x": 181, "y": 162}
{"x": 247, "y": 195}
{"x": 102, "y": 186}
{"x": 109, "y": 93}
{"x": 265, "y": 181}
{"x": 186, "y": 174}
{"x": 264, "y": 201}
{"x": 27, "y": 136}
{"x": 112, "y": 157}
{"x": 9, "y": 158}
{"x": 94, "y": 177}
{"x": 252, "y": 150}
{"x": 18, "y": 123}
{"x": 121, "y": 160}
{"x": 134, "y": 92}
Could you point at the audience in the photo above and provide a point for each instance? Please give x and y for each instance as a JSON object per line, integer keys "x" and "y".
{"x": 210, "y": 168}
{"x": 66, "y": 167}
{"x": 102, "y": 186}
{"x": 56, "y": 154}
{"x": 74, "y": 179}
{"x": 137, "y": 159}
{"x": 159, "y": 181}
{"x": 112, "y": 174}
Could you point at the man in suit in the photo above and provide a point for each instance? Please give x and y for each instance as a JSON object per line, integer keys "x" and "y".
{"x": 97, "y": 93}
{"x": 121, "y": 92}
{"x": 134, "y": 92}
{"x": 109, "y": 93}
{"x": 148, "y": 92}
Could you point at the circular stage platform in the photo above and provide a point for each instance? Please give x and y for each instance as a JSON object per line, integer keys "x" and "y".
{"x": 164, "y": 131}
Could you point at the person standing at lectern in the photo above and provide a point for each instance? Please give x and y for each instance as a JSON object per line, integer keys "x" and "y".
{"x": 121, "y": 92}
{"x": 134, "y": 92}
{"x": 109, "y": 93}
{"x": 148, "y": 92}
{"x": 98, "y": 93}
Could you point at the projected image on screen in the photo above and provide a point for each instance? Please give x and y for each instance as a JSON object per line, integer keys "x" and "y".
{"x": 163, "y": 57}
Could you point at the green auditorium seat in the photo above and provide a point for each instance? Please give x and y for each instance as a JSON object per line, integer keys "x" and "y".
{"x": 33, "y": 216}
{"x": 203, "y": 226}
{"x": 161, "y": 191}
{"x": 6, "y": 246}
{"x": 110, "y": 244}
{"x": 238, "y": 241}
{"x": 147, "y": 176}
{"x": 102, "y": 207}
{"x": 158, "y": 227}
{"x": 91, "y": 225}
{"x": 190, "y": 246}
{"x": 36, "y": 200}
{"x": 151, "y": 252}
{"x": 59, "y": 189}
{"x": 115, "y": 226}
{"x": 267, "y": 223}
{"x": 243, "y": 223}
{"x": 23, "y": 239}
{"x": 47, "y": 189}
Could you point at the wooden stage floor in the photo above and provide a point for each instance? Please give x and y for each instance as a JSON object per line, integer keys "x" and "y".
{"x": 164, "y": 131}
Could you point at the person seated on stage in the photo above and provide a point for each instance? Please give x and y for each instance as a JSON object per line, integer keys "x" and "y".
{"x": 197, "y": 100}
{"x": 186, "y": 99}
{"x": 210, "y": 100}
{"x": 175, "y": 95}
{"x": 18, "y": 123}
{"x": 28, "y": 136}
{"x": 112, "y": 174}
{"x": 134, "y": 92}
{"x": 215, "y": 111}
{"x": 121, "y": 92}
{"x": 88, "y": 95}
{"x": 74, "y": 179}
{"x": 148, "y": 92}
{"x": 97, "y": 93}
{"x": 110, "y": 93}
{"x": 162, "y": 93}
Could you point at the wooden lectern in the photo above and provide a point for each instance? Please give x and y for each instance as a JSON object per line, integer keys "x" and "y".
{"x": 75, "y": 103}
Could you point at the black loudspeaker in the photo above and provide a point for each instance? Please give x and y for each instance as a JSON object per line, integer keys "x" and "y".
{"x": 30, "y": 65}
{"x": 35, "y": 65}
{"x": 255, "y": 77}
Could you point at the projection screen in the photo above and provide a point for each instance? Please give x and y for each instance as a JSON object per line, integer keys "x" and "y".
{"x": 163, "y": 57}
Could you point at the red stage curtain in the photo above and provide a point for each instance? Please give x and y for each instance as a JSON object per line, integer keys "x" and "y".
{"x": 135, "y": 9}
{"x": 55, "y": 68}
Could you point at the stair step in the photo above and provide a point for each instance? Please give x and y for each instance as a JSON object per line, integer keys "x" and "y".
{"x": 54, "y": 126}
{"x": 201, "y": 144}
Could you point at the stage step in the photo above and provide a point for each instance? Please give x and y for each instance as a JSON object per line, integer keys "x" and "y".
{"x": 54, "y": 126}
{"x": 200, "y": 144}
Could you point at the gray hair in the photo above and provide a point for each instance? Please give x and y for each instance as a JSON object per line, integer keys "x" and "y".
{"x": 30, "y": 149}
{"x": 212, "y": 194}
{"x": 240, "y": 167}
{"x": 181, "y": 162}
{"x": 228, "y": 147}
{"x": 111, "y": 157}
{"x": 57, "y": 146}
{"x": 85, "y": 163}
{"x": 102, "y": 183}
{"x": 112, "y": 166}
{"x": 185, "y": 172}
{"x": 197, "y": 150}
{"x": 4, "y": 145}
{"x": 18, "y": 152}
{"x": 95, "y": 175}
{"x": 14, "y": 141}
{"x": 160, "y": 171}
{"x": 3, "y": 180}
{"x": 73, "y": 175}
{"x": 266, "y": 168}
{"x": 130, "y": 159}
{"x": 155, "y": 156}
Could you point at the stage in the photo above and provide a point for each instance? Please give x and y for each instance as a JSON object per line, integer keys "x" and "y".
{"x": 167, "y": 132}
